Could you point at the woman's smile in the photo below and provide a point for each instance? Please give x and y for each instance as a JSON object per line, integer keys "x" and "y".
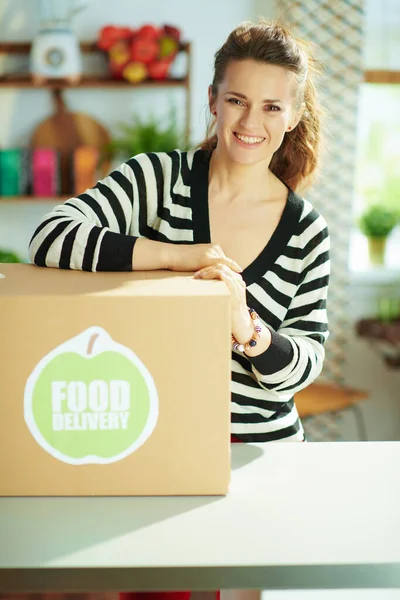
{"x": 246, "y": 141}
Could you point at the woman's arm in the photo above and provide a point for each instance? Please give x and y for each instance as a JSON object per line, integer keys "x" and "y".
{"x": 107, "y": 228}
{"x": 98, "y": 230}
{"x": 295, "y": 355}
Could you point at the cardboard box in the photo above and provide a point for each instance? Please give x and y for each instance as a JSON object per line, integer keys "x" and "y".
{"x": 113, "y": 383}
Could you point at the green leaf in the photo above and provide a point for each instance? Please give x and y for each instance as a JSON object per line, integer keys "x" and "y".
{"x": 146, "y": 135}
{"x": 378, "y": 220}
{"x": 8, "y": 256}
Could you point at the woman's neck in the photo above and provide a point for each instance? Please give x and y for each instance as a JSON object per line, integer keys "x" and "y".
{"x": 234, "y": 182}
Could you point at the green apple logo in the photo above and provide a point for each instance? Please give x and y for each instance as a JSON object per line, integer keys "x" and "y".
{"x": 90, "y": 400}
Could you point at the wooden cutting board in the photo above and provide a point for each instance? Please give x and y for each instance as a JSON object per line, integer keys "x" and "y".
{"x": 64, "y": 131}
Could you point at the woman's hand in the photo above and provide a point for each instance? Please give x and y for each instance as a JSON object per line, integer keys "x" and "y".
{"x": 242, "y": 325}
{"x": 185, "y": 257}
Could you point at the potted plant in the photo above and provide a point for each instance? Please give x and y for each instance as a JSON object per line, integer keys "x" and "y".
{"x": 376, "y": 223}
{"x": 8, "y": 256}
{"x": 145, "y": 135}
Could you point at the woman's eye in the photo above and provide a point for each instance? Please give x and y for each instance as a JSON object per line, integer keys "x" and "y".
{"x": 269, "y": 107}
{"x": 235, "y": 101}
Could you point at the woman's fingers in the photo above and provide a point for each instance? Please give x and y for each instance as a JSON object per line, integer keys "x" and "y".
{"x": 233, "y": 280}
{"x": 219, "y": 257}
{"x": 213, "y": 274}
{"x": 223, "y": 276}
{"x": 217, "y": 267}
{"x": 216, "y": 271}
{"x": 234, "y": 266}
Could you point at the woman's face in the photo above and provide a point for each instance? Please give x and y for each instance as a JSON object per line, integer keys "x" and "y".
{"x": 254, "y": 108}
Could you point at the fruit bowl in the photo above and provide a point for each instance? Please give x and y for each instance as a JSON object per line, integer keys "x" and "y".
{"x": 146, "y": 53}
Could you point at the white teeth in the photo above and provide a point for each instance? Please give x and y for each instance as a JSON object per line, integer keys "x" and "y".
{"x": 249, "y": 140}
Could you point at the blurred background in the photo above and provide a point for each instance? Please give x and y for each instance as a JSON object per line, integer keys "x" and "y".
{"x": 86, "y": 84}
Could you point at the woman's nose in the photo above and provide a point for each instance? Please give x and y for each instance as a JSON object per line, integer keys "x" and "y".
{"x": 251, "y": 119}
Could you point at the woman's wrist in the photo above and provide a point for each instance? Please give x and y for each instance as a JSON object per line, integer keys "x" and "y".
{"x": 149, "y": 255}
{"x": 243, "y": 328}
{"x": 263, "y": 343}
{"x": 250, "y": 336}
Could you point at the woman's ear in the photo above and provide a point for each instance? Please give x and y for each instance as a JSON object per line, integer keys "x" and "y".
{"x": 295, "y": 120}
{"x": 211, "y": 100}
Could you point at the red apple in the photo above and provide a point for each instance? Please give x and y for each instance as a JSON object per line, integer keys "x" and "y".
{"x": 159, "y": 69}
{"x": 144, "y": 50}
{"x": 149, "y": 32}
{"x": 110, "y": 34}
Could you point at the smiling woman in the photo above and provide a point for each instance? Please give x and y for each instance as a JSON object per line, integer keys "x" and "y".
{"x": 229, "y": 210}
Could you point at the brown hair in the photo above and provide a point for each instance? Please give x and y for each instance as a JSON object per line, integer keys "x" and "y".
{"x": 297, "y": 158}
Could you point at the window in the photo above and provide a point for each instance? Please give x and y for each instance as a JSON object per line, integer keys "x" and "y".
{"x": 378, "y": 155}
{"x": 378, "y": 145}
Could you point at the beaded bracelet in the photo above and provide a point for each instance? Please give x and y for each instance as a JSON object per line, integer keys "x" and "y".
{"x": 256, "y": 335}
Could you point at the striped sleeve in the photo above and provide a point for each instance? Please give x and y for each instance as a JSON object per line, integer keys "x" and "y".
{"x": 97, "y": 230}
{"x": 296, "y": 354}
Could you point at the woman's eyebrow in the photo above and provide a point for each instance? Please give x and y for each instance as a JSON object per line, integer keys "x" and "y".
{"x": 244, "y": 97}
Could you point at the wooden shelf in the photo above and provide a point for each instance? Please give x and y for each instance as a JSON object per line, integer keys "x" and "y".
{"x": 381, "y": 76}
{"x": 25, "y": 47}
{"x": 25, "y": 81}
{"x": 33, "y": 199}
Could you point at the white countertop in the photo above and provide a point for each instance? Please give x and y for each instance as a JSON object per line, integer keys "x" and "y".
{"x": 298, "y": 515}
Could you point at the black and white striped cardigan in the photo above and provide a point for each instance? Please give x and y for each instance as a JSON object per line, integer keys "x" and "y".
{"x": 164, "y": 197}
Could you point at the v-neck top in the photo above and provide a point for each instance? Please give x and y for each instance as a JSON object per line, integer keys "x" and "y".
{"x": 164, "y": 197}
{"x": 201, "y": 220}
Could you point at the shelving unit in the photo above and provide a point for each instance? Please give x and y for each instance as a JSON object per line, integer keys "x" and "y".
{"x": 24, "y": 81}
{"x": 15, "y": 199}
